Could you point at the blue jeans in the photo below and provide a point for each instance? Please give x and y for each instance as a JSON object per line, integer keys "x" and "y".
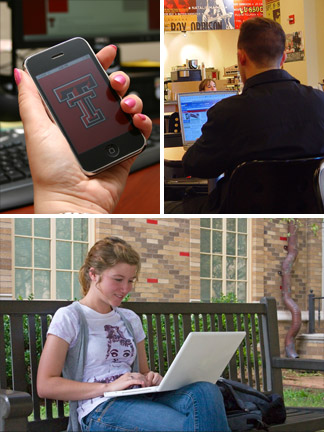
{"x": 196, "y": 407}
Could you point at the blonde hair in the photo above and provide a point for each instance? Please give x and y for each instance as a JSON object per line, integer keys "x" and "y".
{"x": 105, "y": 254}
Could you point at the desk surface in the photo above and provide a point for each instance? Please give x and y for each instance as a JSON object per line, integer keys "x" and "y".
{"x": 173, "y": 153}
{"x": 141, "y": 194}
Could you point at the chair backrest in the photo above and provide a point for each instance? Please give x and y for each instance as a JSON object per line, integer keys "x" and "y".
{"x": 276, "y": 186}
{"x": 174, "y": 123}
{"x": 321, "y": 181}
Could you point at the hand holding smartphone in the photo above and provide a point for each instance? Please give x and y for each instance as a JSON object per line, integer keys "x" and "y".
{"x": 59, "y": 183}
{"x": 78, "y": 96}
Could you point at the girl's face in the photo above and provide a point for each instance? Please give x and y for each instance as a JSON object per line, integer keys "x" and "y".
{"x": 116, "y": 282}
{"x": 210, "y": 86}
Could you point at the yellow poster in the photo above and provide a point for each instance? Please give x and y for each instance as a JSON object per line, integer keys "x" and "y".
{"x": 273, "y": 10}
{"x": 180, "y": 22}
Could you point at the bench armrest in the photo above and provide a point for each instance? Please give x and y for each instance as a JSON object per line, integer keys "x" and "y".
{"x": 15, "y": 407}
{"x": 298, "y": 363}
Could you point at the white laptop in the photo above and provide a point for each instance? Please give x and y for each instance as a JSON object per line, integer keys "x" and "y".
{"x": 193, "y": 109}
{"x": 202, "y": 357}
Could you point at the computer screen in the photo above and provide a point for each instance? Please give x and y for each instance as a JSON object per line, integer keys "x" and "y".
{"x": 193, "y": 109}
{"x": 43, "y": 23}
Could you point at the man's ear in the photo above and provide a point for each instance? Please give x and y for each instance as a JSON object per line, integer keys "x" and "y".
{"x": 284, "y": 58}
{"x": 241, "y": 55}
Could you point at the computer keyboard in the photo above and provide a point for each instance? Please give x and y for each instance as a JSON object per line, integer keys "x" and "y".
{"x": 151, "y": 154}
{"x": 16, "y": 186}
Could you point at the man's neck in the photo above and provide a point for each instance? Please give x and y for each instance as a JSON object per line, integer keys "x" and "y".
{"x": 256, "y": 71}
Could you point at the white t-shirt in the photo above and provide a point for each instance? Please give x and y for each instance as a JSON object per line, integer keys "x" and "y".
{"x": 111, "y": 349}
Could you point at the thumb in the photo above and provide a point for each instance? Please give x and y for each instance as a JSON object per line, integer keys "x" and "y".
{"x": 31, "y": 107}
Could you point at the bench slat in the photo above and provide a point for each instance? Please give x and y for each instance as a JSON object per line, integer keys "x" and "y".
{"x": 232, "y": 369}
{"x": 255, "y": 353}
{"x": 262, "y": 353}
{"x": 33, "y": 364}
{"x": 160, "y": 343}
{"x": 18, "y": 353}
{"x": 176, "y": 332}
{"x": 168, "y": 337}
{"x": 248, "y": 350}
{"x": 301, "y": 420}
{"x": 241, "y": 353}
{"x": 186, "y": 324}
{"x": 150, "y": 341}
{"x": 3, "y": 369}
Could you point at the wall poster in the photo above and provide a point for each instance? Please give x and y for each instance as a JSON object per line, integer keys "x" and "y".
{"x": 195, "y": 15}
{"x": 295, "y": 47}
{"x": 273, "y": 10}
{"x": 244, "y": 10}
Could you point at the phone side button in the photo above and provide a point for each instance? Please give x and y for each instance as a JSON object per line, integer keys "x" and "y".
{"x": 112, "y": 150}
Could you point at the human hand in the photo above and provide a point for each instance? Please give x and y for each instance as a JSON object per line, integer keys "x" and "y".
{"x": 127, "y": 380}
{"x": 153, "y": 378}
{"x": 59, "y": 183}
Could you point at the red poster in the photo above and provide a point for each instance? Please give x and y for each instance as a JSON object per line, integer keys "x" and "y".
{"x": 244, "y": 10}
{"x": 180, "y": 7}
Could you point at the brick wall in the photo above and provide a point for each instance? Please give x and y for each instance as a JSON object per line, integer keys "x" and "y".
{"x": 169, "y": 255}
{"x": 170, "y": 251}
{"x": 5, "y": 257}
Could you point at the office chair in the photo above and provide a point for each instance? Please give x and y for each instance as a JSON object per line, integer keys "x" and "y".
{"x": 276, "y": 186}
{"x": 321, "y": 181}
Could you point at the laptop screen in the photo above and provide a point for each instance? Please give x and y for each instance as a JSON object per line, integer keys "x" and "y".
{"x": 193, "y": 109}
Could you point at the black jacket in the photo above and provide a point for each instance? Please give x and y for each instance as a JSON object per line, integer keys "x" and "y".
{"x": 275, "y": 117}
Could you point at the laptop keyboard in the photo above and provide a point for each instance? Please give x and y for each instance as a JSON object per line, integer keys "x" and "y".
{"x": 16, "y": 186}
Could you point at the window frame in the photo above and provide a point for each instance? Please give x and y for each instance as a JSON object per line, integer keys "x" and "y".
{"x": 224, "y": 256}
{"x": 52, "y": 248}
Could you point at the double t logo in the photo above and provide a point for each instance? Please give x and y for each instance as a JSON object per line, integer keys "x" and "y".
{"x": 78, "y": 93}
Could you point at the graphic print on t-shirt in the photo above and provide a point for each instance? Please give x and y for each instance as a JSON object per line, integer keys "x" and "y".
{"x": 78, "y": 94}
{"x": 119, "y": 347}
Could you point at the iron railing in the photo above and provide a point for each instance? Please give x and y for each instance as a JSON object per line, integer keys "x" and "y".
{"x": 311, "y": 311}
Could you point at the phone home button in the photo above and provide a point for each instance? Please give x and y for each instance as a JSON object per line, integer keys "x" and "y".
{"x": 112, "y": 150}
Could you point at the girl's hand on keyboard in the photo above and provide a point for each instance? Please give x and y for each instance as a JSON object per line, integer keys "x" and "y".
{"x": 59, "y": 184}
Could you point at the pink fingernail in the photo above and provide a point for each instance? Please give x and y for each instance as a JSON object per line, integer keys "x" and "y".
{"x": 130, "y": 102}
{"x": 142, "y": 116}
{"x": 17, "y": 76}
{"x": 121, "y": 79}
{"x": 113, "y": 46}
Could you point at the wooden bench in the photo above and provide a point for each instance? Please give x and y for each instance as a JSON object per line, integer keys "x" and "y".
{"x": 257, "y": 361}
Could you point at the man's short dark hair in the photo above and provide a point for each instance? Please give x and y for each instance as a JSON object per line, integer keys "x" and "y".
{"x": 263, "y": 40}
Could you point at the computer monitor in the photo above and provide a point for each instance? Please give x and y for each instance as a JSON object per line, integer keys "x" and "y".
{"x": 43, "y": 23}
{"x": 193, "y": 109}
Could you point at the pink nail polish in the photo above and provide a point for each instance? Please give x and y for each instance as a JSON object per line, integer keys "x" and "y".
{"x": 121, "y": 79}
{"x": 142, "y": 116}
{"x": 113, "y": 46}
{"x": 17, "y": 76}
{"x": 130, "y": 102}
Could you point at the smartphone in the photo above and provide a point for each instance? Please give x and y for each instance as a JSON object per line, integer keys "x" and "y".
{"x": 78, "y": 96}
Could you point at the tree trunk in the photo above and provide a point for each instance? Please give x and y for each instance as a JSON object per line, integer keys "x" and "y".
{"x": 286, "y": 290}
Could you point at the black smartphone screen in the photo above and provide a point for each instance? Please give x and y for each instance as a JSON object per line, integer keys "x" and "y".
{"x": 86, "y": 108}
